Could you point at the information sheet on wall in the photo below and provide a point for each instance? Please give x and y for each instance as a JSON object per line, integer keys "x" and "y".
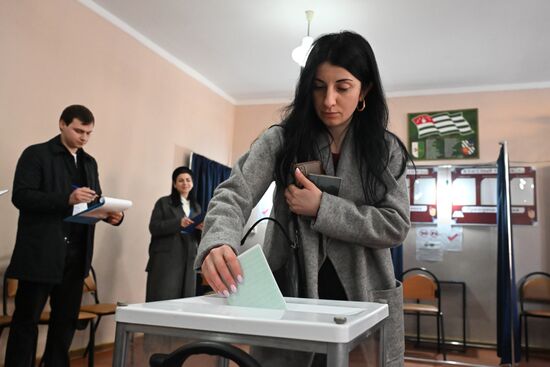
{"x": 432, "y": 242}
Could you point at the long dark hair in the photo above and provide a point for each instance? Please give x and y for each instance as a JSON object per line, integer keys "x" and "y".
{"x": 175, "y": 195}
{"x": 302, "y": 126}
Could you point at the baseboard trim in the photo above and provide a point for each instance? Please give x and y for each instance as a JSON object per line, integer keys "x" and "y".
{"x": 447, "y": 363}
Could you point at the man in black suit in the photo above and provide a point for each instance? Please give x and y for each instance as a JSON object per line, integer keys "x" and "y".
{"x": 52, "y": 257}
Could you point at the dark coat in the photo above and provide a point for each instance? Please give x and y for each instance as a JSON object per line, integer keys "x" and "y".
{"x": 41, "y": 190}
{"x": 171, "y": 254}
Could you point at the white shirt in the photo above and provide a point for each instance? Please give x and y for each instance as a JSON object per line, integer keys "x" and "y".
{"x": 186, "y": 204}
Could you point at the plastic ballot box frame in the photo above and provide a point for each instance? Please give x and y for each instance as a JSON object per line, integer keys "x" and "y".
{"x": 322, "y": 326}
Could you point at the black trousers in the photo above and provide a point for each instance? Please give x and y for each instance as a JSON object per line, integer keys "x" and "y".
{"x": 329, "y": 285}
{"x": 30, "y": 299}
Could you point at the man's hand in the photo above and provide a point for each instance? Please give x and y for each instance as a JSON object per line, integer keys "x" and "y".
{"x": 304, "y": 201}
{"x": 82, "y": 195}
{"x": 114, "y": 218}
{"x": 222, "y": 270}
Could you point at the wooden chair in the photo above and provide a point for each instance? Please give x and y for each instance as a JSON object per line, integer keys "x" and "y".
{"x": 534, "y": 289}
{"x": 97, "y": 308}
{"x": 422, "y": 286}
{"x": 10, "y": 290}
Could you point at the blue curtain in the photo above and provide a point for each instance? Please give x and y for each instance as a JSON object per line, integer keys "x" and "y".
{"x": 507, "y": 305}
{"x": 397, "y": 259}
{"x": 208, "y": 175}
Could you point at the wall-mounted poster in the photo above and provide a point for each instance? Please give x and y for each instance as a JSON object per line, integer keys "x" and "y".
{"x": 444, "y": 135}
{"x": 422, "y": 183}
{"x": 468, "y": 196}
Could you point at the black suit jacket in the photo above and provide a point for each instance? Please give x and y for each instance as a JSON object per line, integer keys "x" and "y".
{"x": 41, "y": 190}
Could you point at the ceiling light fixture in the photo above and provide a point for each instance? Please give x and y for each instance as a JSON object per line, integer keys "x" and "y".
{"x": 300, "y": 53}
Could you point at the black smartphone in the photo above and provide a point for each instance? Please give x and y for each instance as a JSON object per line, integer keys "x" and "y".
{"x": 328, "y": 184}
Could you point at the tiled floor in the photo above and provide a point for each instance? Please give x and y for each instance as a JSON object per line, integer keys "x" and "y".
{"x": 475, "y": 356}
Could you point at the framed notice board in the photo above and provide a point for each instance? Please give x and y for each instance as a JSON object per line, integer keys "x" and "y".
{"x": 475, "y": 195}
{"x": 444, "y": 135}
{"x": 473, "y": 191}
{"x": 422, "y": 185}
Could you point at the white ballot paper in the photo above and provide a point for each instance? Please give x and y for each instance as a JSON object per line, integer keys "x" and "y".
{"x": 100, "y": 210}
{"x": 259, "y": 288}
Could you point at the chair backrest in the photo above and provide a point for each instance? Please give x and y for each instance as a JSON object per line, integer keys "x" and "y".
{"x": 422, "y": 285}
{"x": 90, "y": 285}
{"x": 535, "y": 287}
{"x": 419, "y": 286}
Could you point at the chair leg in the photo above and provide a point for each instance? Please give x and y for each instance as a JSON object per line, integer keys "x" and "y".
{"x": 526, "y": 338}
{"x": 417, "y": 329}
{"x": 91, "y": 345}
{"x": 437, "y": 321}
{"x": 443, "y": 346}
{"x": 521, "y": 333}
{"x": 96, "y": 324}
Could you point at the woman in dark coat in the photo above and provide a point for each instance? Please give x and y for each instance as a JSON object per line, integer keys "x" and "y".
{"x": 171, "y": 252}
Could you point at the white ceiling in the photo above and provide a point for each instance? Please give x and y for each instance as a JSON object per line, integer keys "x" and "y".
{"x": 241, "y": 48}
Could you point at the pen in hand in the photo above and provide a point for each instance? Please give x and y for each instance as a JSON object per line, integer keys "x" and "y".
{"x": 81, "y": 195}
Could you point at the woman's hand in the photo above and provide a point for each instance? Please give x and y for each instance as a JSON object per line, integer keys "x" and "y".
{"x": 305, "y": 201}
{"x": 185, "y": 221}
{"x": 222, "y": 270}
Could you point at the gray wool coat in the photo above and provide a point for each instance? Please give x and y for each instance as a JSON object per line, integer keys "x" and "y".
{"x": 355, "y": 235}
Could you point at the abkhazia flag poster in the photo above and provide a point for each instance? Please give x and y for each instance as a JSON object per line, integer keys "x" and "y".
{"x": 444, "y": 135}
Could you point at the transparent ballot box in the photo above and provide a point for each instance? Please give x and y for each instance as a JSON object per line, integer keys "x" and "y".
{"x": 341, "y": 333}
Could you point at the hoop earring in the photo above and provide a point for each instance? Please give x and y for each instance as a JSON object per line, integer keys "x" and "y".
{"x": 363, "y": 105}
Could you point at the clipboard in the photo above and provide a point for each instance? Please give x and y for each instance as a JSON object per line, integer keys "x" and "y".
{"x": 99, "y": 210}
{"x": 196, "y": 221}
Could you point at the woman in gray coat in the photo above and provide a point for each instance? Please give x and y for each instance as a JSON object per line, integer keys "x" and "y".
{"x": 339, "y": 117}
{"x": 171, "y": 253}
